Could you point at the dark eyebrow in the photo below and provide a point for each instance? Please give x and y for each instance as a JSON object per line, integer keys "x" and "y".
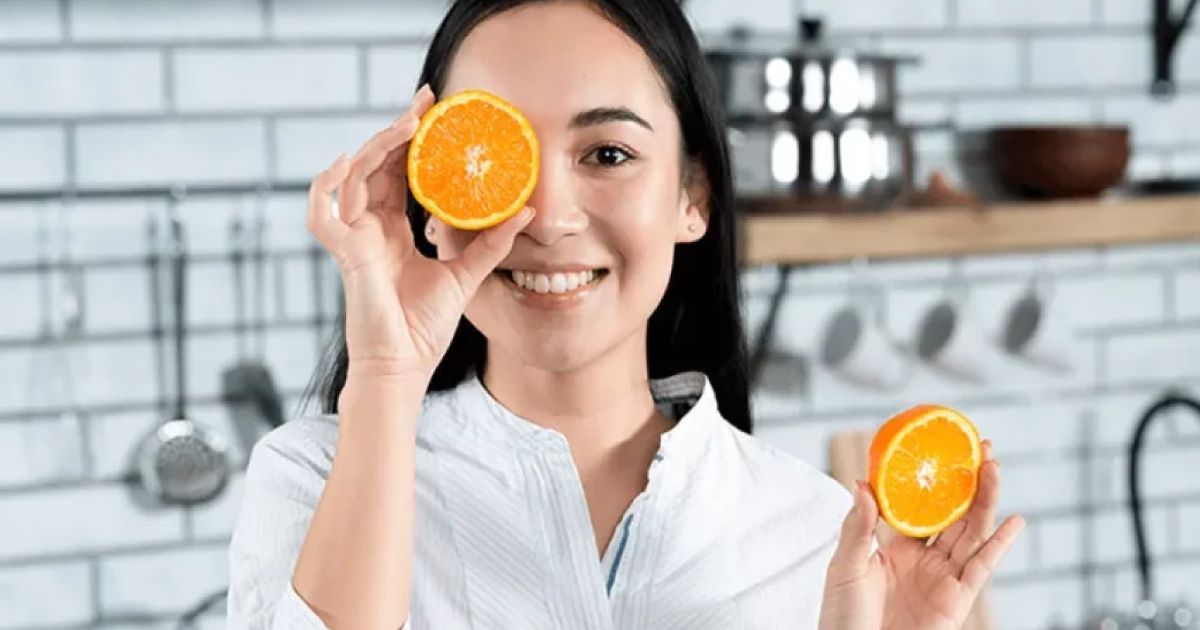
{"x": 601, "y": 115}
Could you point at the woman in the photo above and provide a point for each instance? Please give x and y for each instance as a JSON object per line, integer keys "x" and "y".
{"x": 568, "y": 452}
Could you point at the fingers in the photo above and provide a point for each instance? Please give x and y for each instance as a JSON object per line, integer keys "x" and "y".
{"x": 949, "y": 538}
{"x": 981, "y": 566}
{"x": 486, "y": 251}
{"x": 386, "y": 146}
{"x": 858, "y": 530}
{"x": 320, "y": 220}
{"x": 981, "y": 518}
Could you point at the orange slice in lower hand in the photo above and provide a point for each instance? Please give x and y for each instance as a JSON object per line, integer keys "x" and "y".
{"x": 924, "y": 469}
{"x": 474, "y": 160}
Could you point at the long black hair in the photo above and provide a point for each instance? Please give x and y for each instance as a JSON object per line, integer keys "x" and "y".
{"x": 698, "y": 324}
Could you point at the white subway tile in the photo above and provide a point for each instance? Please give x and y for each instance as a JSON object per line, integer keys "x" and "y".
{"x": 1178, "y": 582}
{"x": 1110, "y": 300}
{"x": 114, "y": 439}
{"x": 217, "y": 517}
{"x": 1020, "y": 557}
{"x": 161, "y": 582}
{"x": 809, "y": 440}
{"x": 117, "y": 372}
{"x": 1157, "y": 355}
{"x": 1028, "y": 487}
{"x": 291, "y": 356}
{"x": 950, "y": 64}
{"x": 23, "y": 222}
{"x": 33, "y": 157}
{"x": 1024, "y": 13}
{"x": 1156, "y": 122}
{"x": 1144, "y": 165}
{"x": 1163, "y": 472}
{"x": 30, "y": 21}
{"x": 40, "y": 451}
{"x": 50, "y": 594}
{"x": 712, "y": 16}
{"x": 307, "y": 146}
{"x": 1124, "y": 12}
{"x": 207, "y": 356}
{"x": 1052, "y": 262}
{"x": 1189, "y": 522}
{"x": 392, "y": 74}
{"x": 1184, "y": 163}
{"x": 919, "y": 110}
{"x": 297, "y": 303}
{"x": 356, "y": 18}
{"x": 1093, "y": 60}
{"x": 1114, "y": 415}
{"x": 1038, "y": 603}
{"x": 1155, "y": 256}
{"x": 118, "y": 299}
{"x": 211, "y": 292}
{"x": 167, "y": 153}
{"x": 25, "y": 289}
{"x": 1018, "y": 110}
{"x": 71, "y": 82}
{"x": 111, "y": 228}
{"x": 240, "y": 79}
{"x": 172, "y": 20}
{"x": 78, "y": 520}
{"x": 1060, "y": 543}
{"x": 1112, "y": 534}
{"x": 286, "y": 229}
{"x": 1029, "y": 427}
{"x": 1187, "y": 294}
{"x": 879, "y": 15}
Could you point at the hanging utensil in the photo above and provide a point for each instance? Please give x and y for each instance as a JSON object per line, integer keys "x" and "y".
{"x": 247, "y": 386}
{"x": 270, "y": 404}
{"x": 181, "y": 462}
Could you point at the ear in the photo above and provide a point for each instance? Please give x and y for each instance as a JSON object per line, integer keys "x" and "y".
{"x": 433, "y": 228}
{"x": 693, "y": 212}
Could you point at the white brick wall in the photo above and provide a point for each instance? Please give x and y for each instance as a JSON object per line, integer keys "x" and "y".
{"x": 72, "y": 82}
{"x": 30, "y": 21}
{"x": 169, "y": 20}
{"x": 52, "y": 594}
{"x": 125, "y": 93}
{"x": 208, "y": 80}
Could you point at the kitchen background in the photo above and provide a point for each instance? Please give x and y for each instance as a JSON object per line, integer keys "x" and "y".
{"x": 125, "y": 95}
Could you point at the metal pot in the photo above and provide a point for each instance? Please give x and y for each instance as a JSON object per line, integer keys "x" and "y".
{"x": 767, "y": 77}
{"x": 853, "y": 163}
{"x": 812, "y": 122}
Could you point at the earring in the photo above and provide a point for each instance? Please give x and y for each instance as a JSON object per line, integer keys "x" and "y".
{"x": 429, "y": 231}
{"x": 693, "y": 227}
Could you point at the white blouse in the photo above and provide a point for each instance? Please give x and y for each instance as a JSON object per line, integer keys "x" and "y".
{"x": 729, "y": 533}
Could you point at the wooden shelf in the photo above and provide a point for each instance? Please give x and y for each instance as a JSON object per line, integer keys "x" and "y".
{"x": 928, "y": 232}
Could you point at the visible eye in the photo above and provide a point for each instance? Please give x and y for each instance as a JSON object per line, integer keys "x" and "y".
{"x": 609, "y": 156}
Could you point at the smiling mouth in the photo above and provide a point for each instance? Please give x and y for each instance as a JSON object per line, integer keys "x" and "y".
{"x": 556, "y": 283}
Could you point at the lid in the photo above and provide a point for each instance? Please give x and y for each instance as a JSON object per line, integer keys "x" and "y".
{"x": 810, "y": 43}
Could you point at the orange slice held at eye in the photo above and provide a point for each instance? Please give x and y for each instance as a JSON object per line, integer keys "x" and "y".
{"x": 924, "y": 469}
{"x": 474, "y": 160}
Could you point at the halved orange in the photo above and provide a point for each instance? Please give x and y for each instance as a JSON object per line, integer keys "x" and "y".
{"x": 474, "y": 160}
{"x": 924, "y": 469}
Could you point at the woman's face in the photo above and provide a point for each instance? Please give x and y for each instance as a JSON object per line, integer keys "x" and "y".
{"x": 611, "y": 199}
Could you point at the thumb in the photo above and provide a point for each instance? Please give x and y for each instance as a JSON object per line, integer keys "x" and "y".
{"x": 858, "y": 530}
{"x": 486, "y": 251}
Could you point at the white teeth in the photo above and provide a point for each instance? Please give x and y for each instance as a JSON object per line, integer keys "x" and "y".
{"x": 558, "y": 283}
{"x": 552, "y": 283}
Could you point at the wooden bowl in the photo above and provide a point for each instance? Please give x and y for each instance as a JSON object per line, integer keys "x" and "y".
{"x": 1058, "y": 162}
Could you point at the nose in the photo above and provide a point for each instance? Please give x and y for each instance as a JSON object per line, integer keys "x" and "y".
{"x": 559, "y": 213}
